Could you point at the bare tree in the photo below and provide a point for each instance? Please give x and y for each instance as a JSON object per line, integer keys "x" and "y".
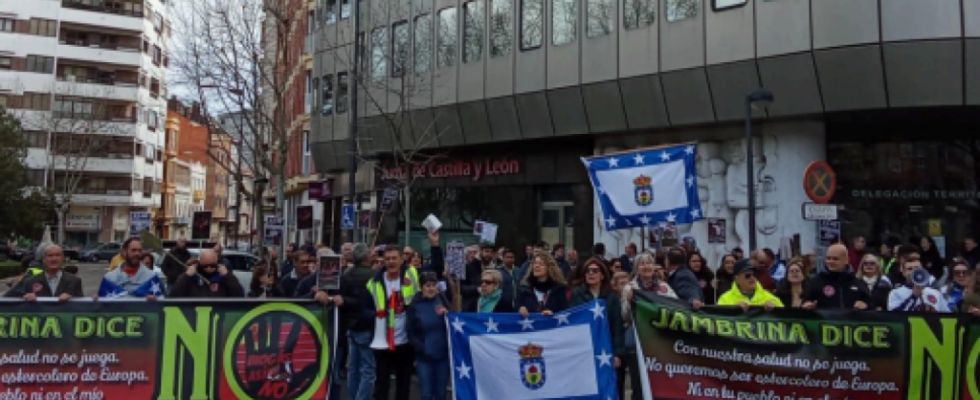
{"x": 84, "y": 122}
{"x": 391, "y": 83}
{"x": 235, "y": 59}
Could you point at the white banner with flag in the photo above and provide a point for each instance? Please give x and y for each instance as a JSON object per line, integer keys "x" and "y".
{"x": 646, "y": 186}
{"x": 505, "y": 356}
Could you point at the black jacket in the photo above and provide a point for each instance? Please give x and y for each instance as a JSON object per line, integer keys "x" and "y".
{"x": 879, "y": 293}
{"x": 614, "y": 315}
{"x": 353, "y": 288}
{"x": 274, "y": 292}
{"x": 173, "y": 264}
{"x": 195, "y": 287}
{"x": 705, "y": 276}
{"x": 469, "y": 288}
{"x": 555, "y": 300}
{"x": 685, "y": 284}
{"x": 836, "y": 290}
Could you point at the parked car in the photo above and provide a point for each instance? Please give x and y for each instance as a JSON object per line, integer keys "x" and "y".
{"x": 9, "y": 252}
{"x": 102, "y": 252}
{"x": 239, "y": 262}
{"x": 72, "y": 254}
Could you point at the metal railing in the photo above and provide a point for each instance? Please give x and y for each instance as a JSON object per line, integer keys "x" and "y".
{"x": 101, "y": 8}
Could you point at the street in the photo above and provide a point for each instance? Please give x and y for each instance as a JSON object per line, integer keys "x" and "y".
{"x": 91, "y": 275}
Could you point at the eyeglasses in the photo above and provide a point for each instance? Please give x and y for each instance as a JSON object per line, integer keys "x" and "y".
{"x": 869, "y": 264}
{"x": 748, "y": 275}
{"x": 961, "y": 272}
{"x": 486, "y": 282}
{"x": 593, "y": 271}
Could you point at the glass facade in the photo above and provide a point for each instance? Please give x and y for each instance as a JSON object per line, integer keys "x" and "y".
{"x": 897, "y": 185}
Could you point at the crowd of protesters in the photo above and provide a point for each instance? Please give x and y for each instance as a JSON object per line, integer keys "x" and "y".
{"x": 413, "y": 295}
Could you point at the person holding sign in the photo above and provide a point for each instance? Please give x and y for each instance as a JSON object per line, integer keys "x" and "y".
{"x": 747, "y": 291}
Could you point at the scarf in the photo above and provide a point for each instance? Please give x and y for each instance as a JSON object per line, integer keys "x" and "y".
{"x": 871, "y": 281}
{"x": 543, "y": 287}
{"x": 487, "y": 302}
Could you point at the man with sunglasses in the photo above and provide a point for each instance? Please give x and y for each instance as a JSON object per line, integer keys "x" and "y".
{"x": 207, "y": 278}
{"x": 747, "y": 290}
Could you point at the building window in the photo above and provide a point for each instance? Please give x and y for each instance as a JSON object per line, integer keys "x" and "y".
{"x": 327, "y": 106}
{"x": 639, "y": 13}
{"x": 44, "y": 27}
{"x": 379, "y": 59}
{"x": 345, "y": 9}
{"x": 6, "y": 63}
{"x": 44, "y": 65}
{"x": 36, "y": 140}
{"x": 306, "y": 153}
{"x": 36, "y": 101}
{"x": 309, "y": 98}
{"x": 3, "y": 101}
{"x": 446, "y": 39}
{"x": 330, "y": 12}
{"x": 399, "y": 48}
{"x": 532, "y": 29}
{"x": 681, "y": 9}
{"x": 599, "y": 18}
{"x": 501, "y": 27}
{"x": 341, "y": 93}
{"x": 423, "y": 43}
{"x": 473, "y": 28}
{"x": 564, "y": 23}
{"x": 721, "y": 5}
{"x": 316, "y": 92}
{"x": 361, "y": 49}
{"x": 6, "y": 25}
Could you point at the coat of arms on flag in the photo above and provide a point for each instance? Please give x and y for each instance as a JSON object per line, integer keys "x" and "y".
{"x": 503, "y": 356}
{"x": 532, "y": 365}
{"x": 646, "y": 186}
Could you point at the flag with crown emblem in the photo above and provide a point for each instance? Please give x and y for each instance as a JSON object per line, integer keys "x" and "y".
{"x": 646, "y": 186}
{"x": 568, "y": 355}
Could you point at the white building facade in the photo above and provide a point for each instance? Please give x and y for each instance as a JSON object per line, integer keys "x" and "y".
{"x": 88, "y": 80}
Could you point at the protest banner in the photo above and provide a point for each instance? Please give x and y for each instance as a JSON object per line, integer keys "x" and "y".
{"x": 793, "y": 354}
{"x": 165, "y": 350}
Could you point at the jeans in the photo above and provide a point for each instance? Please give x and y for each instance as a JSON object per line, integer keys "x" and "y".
{"x": 360, "y": 367}
{"x": 433, "y": 377}
{"x": 400, "y": 363}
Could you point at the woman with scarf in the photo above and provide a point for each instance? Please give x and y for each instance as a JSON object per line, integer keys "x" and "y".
{"x": 648, "y": 277}
{"x": 959, "y": 283}
{"x": 265, "y": 284}
{"x": 426, "y": 323}
{"x": 877, "y": 284}
{"x": 543, "y": 288}
{"x": 598, "y": 285}
{"x": 491, "y": 289}
{"x": 697, "y": 264}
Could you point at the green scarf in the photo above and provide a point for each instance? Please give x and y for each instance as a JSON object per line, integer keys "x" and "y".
{"x": 489, "y": 301}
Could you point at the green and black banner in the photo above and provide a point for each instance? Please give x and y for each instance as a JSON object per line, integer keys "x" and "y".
{"x": 165, "y": 350}
{"x": 790, "y": 354}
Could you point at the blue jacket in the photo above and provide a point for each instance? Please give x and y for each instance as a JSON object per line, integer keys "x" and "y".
{"x": 427, "y": 329}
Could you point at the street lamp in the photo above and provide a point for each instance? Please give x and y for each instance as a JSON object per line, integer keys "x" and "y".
{"x": 757, "y": 99}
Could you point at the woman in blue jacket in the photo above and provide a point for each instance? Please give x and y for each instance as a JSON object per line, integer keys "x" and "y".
{"x": 427, "y": 333}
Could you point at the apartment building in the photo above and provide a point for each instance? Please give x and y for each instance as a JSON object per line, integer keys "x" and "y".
{"x": 88, "y": 79}
{"x": 297, "y": 72}
{"x": 190, "y": 143}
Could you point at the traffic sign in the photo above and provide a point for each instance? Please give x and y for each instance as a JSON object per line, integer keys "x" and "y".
{"x": 347, "y": 216}
{"x": 819, "y": 212}
{"x": 820, "y": 182}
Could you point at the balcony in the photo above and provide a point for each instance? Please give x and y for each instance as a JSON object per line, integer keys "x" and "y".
{"x": 130, "y": 20}
{"x": 96, "y": 54}
{"x": 97, "y": 87}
